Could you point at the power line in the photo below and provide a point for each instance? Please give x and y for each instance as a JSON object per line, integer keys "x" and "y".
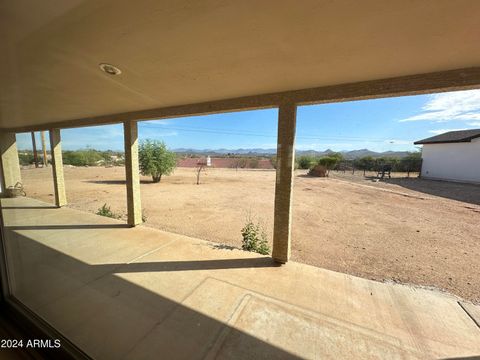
{"x": 258, "y": 134}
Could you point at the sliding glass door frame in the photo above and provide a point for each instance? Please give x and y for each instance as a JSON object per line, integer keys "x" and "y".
{"x": 30, "y": 326}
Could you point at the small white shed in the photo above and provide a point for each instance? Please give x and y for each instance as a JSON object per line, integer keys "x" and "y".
{"x": 452, "y": 156}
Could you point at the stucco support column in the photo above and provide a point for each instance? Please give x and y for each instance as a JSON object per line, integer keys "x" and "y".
{"x": 57, "y": 167}
{"x": 132, "y": 172}
{"x": 9, "y": 160}
{"x": 44, "y": 149}
{"x": 284, "y": 182}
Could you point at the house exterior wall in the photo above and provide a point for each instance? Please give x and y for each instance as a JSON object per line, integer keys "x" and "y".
{"x": 454, "y": 162}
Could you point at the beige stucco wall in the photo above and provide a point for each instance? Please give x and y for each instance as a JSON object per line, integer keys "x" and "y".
{"x": 10, "y": 166}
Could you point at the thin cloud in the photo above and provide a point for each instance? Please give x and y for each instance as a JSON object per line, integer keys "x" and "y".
{"x": 453, "y": 106}
{"x": 156, "y": 122}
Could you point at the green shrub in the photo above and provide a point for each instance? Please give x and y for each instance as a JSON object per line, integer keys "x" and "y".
{"x": 328, "y": 161}
{"x": 306, "y": 162}
{"x": 156, "y": 160}
{"x": 25, "y": 159}
{"x": 86, "y": 157}
{"x": 255, "y": 238}
{"x": 106, "y": 211}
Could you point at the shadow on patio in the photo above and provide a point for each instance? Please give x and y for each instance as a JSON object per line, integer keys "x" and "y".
{"x": 111, "y": 318}
{"x": 140, "y": 293}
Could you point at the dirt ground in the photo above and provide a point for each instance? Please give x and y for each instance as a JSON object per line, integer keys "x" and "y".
{"x": 402, "y": 230}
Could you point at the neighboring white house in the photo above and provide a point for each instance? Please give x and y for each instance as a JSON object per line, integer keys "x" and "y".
{"x": 453, "y": 156}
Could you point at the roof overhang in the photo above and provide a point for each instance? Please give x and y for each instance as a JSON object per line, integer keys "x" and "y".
{"x": 441, "y": 142}
{"x": 181, "y": 57}
{"x": 451, "y": 137}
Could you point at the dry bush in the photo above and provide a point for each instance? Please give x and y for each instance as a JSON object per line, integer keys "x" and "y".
{"x": 318, "y": 170}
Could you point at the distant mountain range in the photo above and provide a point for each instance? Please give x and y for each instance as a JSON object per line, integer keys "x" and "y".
{"x": 353, "y": 154}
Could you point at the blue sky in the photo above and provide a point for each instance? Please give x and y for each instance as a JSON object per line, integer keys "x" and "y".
{"x": 379, "y": 125}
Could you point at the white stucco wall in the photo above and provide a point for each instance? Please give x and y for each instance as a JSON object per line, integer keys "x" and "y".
{"x": 455, "y": 162}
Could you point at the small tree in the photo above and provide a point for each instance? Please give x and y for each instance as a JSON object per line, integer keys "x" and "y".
{"x": 329, "y": 162}
{"x": 365, "y": 163}
{"x": 201, "y": 166}
{"x": 411, "y": 163}
{"x": 242, "y": 162}
{"x": 337, "y": 155}
{"x": 156, "y": 160}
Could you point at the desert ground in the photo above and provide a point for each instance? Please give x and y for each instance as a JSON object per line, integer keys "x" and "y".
{"x": 413, "y": 231}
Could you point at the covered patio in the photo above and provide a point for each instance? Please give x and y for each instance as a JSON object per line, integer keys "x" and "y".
{"x": 140, "y": 293}
{"x": 111, "y": 290}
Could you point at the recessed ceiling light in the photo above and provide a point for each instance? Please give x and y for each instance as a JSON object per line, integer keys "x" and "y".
{"x": 110, "y": 69}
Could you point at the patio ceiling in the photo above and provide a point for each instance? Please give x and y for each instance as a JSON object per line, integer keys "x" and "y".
{"x": 183, "y": 52}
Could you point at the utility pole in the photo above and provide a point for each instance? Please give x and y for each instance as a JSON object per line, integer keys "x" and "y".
{"x": 44, "y": 149}
{"x": 34, "y": 145}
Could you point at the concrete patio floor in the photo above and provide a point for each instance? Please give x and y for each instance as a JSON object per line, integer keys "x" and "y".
{"x": 140, "y": 293}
